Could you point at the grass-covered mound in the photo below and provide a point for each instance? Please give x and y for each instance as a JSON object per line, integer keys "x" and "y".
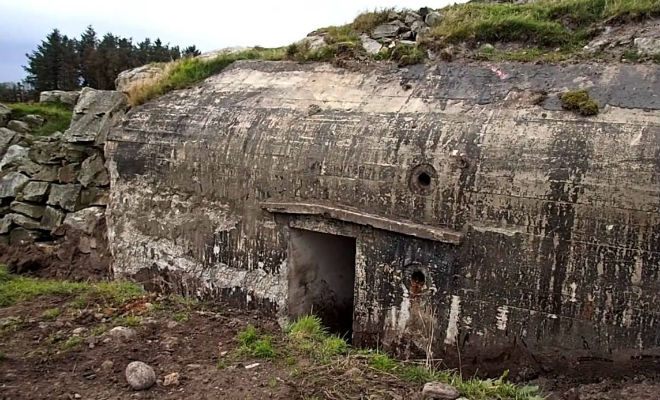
{"x": 57, "y": 117}
{"x": 547, "y": 30}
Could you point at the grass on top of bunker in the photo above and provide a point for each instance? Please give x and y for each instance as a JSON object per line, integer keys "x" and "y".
{"x": 57, "y": 342}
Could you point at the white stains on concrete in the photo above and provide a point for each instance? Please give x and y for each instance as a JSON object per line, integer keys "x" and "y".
{"x": 452, "y": 324}
{"x": 502, "y": 317}
{"x": 573, "y": 286}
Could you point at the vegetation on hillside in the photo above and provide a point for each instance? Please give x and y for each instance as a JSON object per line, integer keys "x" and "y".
{"x": 57, "y": 117}
{"x": 65, "y": 63}
{"x": 547, "y": 30}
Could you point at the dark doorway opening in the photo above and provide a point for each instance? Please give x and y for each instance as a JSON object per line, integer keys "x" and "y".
{"x": 322, "y": 278}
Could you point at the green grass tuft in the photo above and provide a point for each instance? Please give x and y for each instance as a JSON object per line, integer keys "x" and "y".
{"x": 307, "y": 327}
{"x": 128, "y": 320}
{"x": 543, "y": 22}
{"x": 181, "y": 317}
{"x": 51, "y": 313}
{"x": 72, "y": 342}
{"x": 579, "y": 101}
{"x": 58, "y": 117}
{"x": 252, "y": 343}
{"x": 16, "y": 288}
{"x": 383, "y": 362}
{"x": 366, "y": 22}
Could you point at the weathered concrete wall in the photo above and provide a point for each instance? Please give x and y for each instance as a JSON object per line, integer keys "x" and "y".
{"x": 536, "y": 232}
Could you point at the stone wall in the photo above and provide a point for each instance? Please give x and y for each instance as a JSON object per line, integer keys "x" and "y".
{"x": 54, "y": 190}
{"x": 488, "y": 221}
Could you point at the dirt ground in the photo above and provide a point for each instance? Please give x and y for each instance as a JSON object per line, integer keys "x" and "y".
{"x": 70, "y": 354}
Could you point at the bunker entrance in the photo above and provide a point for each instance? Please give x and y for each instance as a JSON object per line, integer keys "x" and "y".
{"x": 321, "y": 278}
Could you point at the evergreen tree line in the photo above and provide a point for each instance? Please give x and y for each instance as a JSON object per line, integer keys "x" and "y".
{"x": 64, "y": 63}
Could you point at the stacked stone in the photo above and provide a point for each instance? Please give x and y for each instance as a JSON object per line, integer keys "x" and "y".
{"x": 52, "y": 184}
{"x": 406, "y": 27}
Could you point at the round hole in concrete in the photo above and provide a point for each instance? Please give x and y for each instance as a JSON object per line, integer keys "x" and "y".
{"x": 418, "y": 277}
{"x": 424, "y": 179}
{"x": 421, "y": 179}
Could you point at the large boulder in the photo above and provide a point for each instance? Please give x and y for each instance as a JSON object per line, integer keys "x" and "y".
{"x": 94, "y": 114}
{"x": 647, "y": 45}
{"x": 6, "y": 138}
{"x": 370, "y": 45}
{"x": 131, "y": 78}
{"x": 18, "y": 126}
{"x": 386, "y": 31}
{"x": 68, "y": 98}
{"x": 11, "y": 184}
{"x": 5, "y": 115}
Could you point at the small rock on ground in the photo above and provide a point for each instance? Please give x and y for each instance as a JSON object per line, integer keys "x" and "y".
{"x": 140, "y": 375}
{"x": 171, "y": 379}
{"x": 439, "y": 391}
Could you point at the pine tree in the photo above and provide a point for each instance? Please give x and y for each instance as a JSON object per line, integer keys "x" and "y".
{"x": 191, "y": 51}
{"x": 90, "y": 63}
{"x": 54, "y": 64}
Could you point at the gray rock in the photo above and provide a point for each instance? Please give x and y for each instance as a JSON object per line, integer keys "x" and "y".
{"x": 67, "y": 98}
{"x": 140, "y": 375}
{"x": 93, "y": 172}
{"x": 314, "y": 42}
{"x": 34, "y": 121}
{"x": 65, "y": 196}
{"x": 421, "y": 33}
{"x": 85, "y": 220}
{"x": 370, "y": 45}
{"x": 406, "y": 35}
{"x": 24, "y": 221}
{"x": 439, "y": 391}
{"x": 411, "y": 17}
{"x": 94, "y": 114}
{"x": 44, "y": 152}
{"x": 52, "y": 219}
{"x": 6, "y": 138}
{"x": 11, "y": 184}
{"x": 68, "y": 173}
{"x": 122, "y": 333}
{"x": 433, "y": 18}
{"x": 35, "y": 191}
{"x": 14, "y": 156}
{"x": 18, "y": 126}
{"x": 47, "y": 173}
{"x": 5, "y": 115}
{"x": 5, "y": 223}
{"x": 31, "y": 210}
{"x": 385, "y": 31}
{"x": 130, "y": 78}
{"x": 647, "y": 46}
{"x": 417, "y": 25}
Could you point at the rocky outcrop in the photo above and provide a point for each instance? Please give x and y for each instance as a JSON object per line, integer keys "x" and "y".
{"x": 67, "y": 98}
{"x": 128, "y": 79}
{"x": 54, "y": 189}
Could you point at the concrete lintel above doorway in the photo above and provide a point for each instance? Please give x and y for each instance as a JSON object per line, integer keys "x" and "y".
{"x": 360, "y": 218}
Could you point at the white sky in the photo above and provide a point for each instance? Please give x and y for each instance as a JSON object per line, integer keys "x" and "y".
{"x": 208, "y": 24}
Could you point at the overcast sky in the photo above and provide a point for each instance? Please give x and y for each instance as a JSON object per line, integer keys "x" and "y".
{"x": 209, "y": 24}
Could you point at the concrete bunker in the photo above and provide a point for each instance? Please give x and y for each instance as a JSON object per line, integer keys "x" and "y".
{"x": 514, "y": 233}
